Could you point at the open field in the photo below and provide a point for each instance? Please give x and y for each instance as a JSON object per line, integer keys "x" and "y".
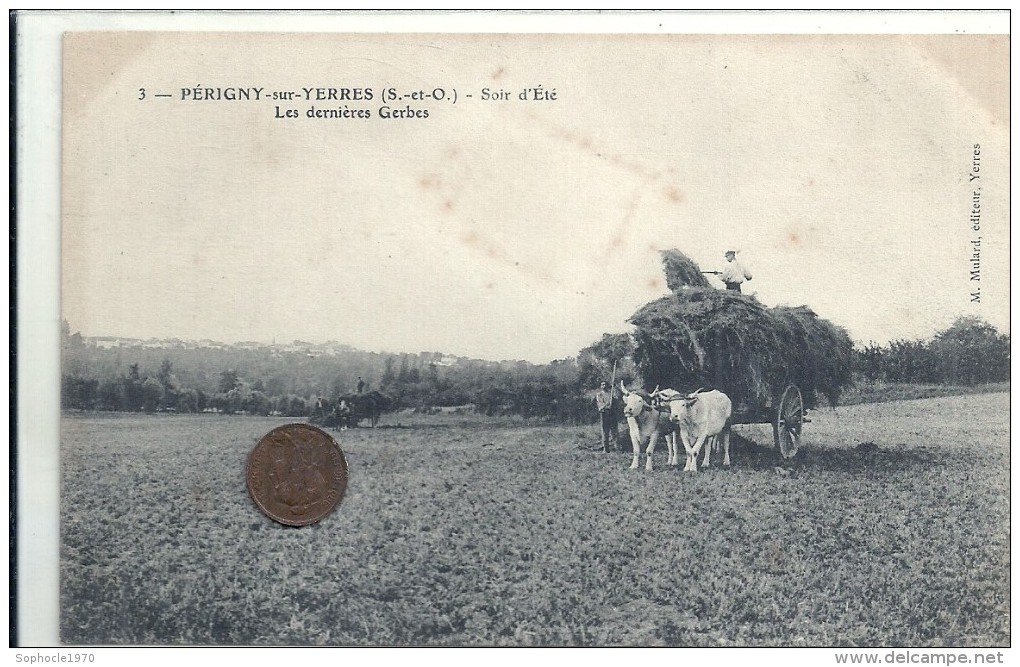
{"x": 865, "y": 391}
{"x": 465, "y": 531}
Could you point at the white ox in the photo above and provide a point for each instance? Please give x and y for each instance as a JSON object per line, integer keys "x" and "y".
{"x": 700, "y": 417}
{"x": 648, "y": 421}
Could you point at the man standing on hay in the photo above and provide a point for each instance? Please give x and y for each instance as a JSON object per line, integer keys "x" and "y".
{"x": 610, "y": 425}
{"x": 734, "y": 273}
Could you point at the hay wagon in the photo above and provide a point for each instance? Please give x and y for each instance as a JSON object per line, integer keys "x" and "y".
{"x": 774, "y": 363}
{"x": 785, "y": 413}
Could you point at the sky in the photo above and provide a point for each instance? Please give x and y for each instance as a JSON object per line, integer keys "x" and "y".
{"x": 840, "y": 166}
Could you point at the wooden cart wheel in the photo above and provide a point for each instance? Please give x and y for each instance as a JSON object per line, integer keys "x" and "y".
{"x": 788, "y": 422}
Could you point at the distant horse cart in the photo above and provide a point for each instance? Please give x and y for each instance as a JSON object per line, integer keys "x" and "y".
{"x": 350, "y": 410}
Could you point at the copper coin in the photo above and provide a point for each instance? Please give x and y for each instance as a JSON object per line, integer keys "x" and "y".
{"x": 297, "y": 474}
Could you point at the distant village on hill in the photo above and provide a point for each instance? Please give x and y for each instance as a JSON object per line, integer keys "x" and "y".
{"x": 118, "y": 373}
{"x": 329, "y": 348}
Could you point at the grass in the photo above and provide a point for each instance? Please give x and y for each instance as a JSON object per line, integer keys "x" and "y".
{"x": 890, "y": 529}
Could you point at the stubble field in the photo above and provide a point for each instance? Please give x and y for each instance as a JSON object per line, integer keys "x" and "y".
{"x": 890, "y": 529}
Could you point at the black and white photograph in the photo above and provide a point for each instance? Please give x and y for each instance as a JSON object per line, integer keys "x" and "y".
{"x": 672, "y": 336}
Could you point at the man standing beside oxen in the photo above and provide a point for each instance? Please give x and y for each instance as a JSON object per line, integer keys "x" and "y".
{"x": 607, "y": 415}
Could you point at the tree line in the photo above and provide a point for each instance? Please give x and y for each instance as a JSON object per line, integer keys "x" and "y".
{"x": 969, "y": 352}
{"x": 265, "y": 381}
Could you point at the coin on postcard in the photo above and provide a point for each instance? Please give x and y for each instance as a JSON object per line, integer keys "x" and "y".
{"x": 297, "y": 474}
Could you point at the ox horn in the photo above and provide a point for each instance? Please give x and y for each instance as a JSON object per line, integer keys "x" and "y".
{"x": 624, "y": 389}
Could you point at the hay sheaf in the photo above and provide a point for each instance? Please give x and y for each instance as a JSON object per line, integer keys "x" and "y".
{"x": 703, "y": 337}
{"x": 681, "y": 271}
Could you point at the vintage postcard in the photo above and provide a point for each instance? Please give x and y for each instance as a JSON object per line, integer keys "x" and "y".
{"x": 627, "y": 339}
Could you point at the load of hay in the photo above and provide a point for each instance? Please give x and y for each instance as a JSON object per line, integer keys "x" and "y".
{"x": 705, "y": 337}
